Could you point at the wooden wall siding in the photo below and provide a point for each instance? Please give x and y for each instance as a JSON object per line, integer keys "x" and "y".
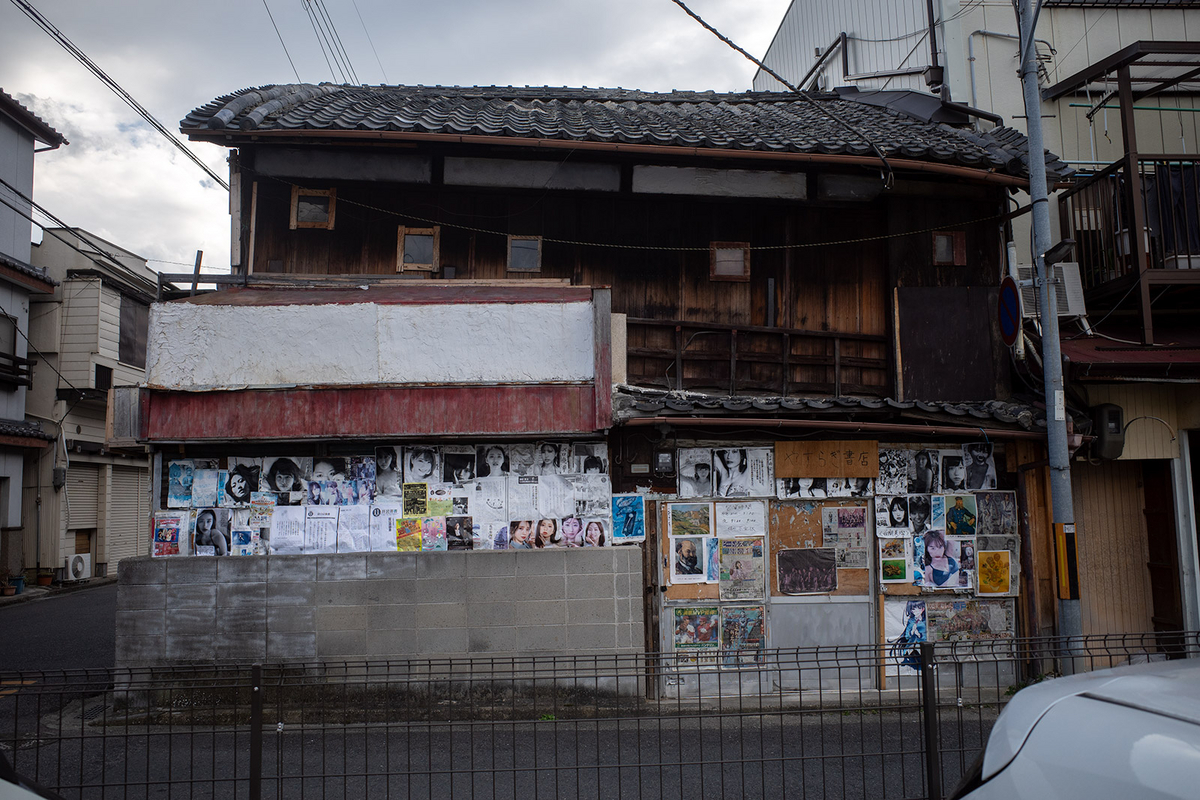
{"x": 1114, "y": 582}
{"x": 947, "y": 343}
{"x": 1039, "y": 613}
{"x": 911, "y": 257}
{"x": 1145, "y": 438}
{"x": 81, "y": 330}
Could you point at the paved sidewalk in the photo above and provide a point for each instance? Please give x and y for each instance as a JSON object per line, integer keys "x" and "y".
{"x": 32, "y": 593}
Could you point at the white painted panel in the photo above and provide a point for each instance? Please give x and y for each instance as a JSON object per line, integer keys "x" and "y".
{"x": 720, "y": 182}
{"x": 293, "y": 162}
{"x": 531, "y": 174}
{"x": 486, "y": 343}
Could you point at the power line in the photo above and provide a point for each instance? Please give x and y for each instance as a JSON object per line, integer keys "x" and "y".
{"x": 889, "y": 178}
{"x": 82, "y": 58}
{"x": 320, "y": 41}
{"x": 336, "y": 38}
{"x": 280, "y": 35}
{"x": 369, "y": 41}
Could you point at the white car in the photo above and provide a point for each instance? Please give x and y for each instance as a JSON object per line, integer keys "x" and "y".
{"x": 1128, "y": 732}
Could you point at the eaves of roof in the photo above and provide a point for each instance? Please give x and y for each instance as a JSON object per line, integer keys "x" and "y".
{"x": 35, "y": 278}
{"x": 31, "y": 122}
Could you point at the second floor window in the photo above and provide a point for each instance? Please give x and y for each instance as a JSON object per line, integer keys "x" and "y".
{"x": 313, "y": 208}
{"x": 135, "y": 321}
{"x": 729, "y": 261}
{"x": 417, "y": 249}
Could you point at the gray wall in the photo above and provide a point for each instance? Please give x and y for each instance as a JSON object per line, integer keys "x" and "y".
{"x": 370, "y": 606}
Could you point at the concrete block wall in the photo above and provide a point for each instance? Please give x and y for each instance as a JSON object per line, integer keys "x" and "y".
{"x": 375, "y": 606}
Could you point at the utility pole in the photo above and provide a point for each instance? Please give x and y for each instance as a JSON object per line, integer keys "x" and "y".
{"x": 1069, "y": 617}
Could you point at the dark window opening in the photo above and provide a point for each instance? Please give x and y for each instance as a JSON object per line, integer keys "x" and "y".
{"x": 135, "y": 322}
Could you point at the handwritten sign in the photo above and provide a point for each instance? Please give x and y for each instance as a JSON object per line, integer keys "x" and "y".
{"x": 830, "y": 459}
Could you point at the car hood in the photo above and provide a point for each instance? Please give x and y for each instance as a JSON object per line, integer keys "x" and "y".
{"x": 1169, "y": 688}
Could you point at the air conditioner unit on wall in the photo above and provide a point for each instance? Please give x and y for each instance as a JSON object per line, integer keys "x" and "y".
{"x": 77, "y": 567}
{"x": 1069, "y": 294}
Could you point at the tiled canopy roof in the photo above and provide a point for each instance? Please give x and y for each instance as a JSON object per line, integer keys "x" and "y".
{"x": 747, "y": 121}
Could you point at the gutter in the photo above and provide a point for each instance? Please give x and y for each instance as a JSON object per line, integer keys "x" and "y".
{"x": 834, "y": 425}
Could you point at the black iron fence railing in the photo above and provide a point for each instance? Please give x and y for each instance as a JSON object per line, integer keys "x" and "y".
{"x": 832, "y": 722}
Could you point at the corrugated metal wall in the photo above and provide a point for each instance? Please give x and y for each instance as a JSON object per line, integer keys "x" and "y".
{"x": 129, "y": 510}
{"x": 83, "y": 492}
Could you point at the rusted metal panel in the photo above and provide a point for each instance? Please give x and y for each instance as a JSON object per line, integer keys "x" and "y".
{"x": 375, "y": 412}
{"x": 602, "y": 313}
{"x": 449, "y": 293}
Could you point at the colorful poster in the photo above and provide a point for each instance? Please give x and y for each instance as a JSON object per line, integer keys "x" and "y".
{"x": 697, "y": 629}
{"x": 845, "y": 529}
{"x": 383, "y": 526}
{"x": 943, "y": 562}
{"x": 520, "y": 535}
{"x": 416, "y": 499}
{"x": 905, "y": 627}
{"x": 994, "y": 573}
{"x": 433, "y": 533}
{"x": 262, "y": 505}
{"x": 695, "y": 472}
{"x": 743, "y": 472}
{"x": 354, "y": 529}
{"x": 743, "y": 635}
{"x": 244, "y": 542}
{"x": 169, "y": 537}
{"x": 440, "y": 499}
{"x": 211, "y": 535}
{"x": 689, "y": 519}
{"x": 320, "y": 529}
{"x": 743, "y": 569}
{"x": 712, "y": 560}
{"x": 287, "y": 530}
{"x": 1010, "y": 545}
{"x": 596, "y": 532}
{"x": 629, "y": 518}
{"x": 179, "y": 484}
{"x": 970, "y": 620}
{"x": 960, "y": 514}
{"x": 895, "y": 560}
{"x": 689, "y": 559}
{"x": 408, "y": 534}
{"x": 807, "y": 570}
{"x": 739, "y": 520}
{"x": 323, "y": 493}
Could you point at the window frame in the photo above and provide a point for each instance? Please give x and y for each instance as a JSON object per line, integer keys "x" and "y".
{"x": 508, "y": 254}
{"x": 959, "y": 256}
{"x": 141, "y": 320}
{"x": 297, "y": 193}
{"x": 402, "y": 231}
{"x": 713, "y": 247}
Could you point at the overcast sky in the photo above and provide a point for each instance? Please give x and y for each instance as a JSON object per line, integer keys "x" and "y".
{"x": 121, "y": 180}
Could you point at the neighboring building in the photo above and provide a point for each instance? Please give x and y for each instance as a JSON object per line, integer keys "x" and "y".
{"x": 1119, "y": 89}
{"x": 82, "y": 496}
{"x": 20, "y": 133}
{"x": 628, "y": 275}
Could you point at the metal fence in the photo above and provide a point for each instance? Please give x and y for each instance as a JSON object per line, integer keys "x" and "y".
{"x": 810, "y": 723}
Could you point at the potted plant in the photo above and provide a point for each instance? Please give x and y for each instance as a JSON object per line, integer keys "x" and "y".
{"x": 6, "y": 588}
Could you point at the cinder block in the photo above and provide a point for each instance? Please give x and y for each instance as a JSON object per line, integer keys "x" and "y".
{"x": 541, "y": 612}
{"x": 290, "y": 594}
{"x": 592, "y": 637}
{"x": 341, "y": 618}
{"x": 191, "y": 595}
{"x": 341, "y": 643}
{"x": 624, "y": 611}
{"x": 148, "y": 622}
{"x": 140, "y": 651}
{"x": 141, "y": 571}
{"x": 441, "y": 615}
{"x": 133, "y": 597}
{"x": 291, "y": 568}
{"x": 245, "y": 618}
{"x": 242, "y": 569}
{"x": 400, "y": 590}
{"x": 349, "y": 593}
{"x": 492, "y": 563}
{"x": 626, "y": 585}
{"x": 547, "y": 587}
{"x": 443, "y": 566}
{"x": 590, "y": 612}
{"x": 291, "y": 619}
{"x": 442, "y": 641}
{"x": 590, "y": 561}
{"x": 394, "y": 643}
{"x": 241, "y": 646}
{"x": 627, "y": 559}
{"x": 493, "y": 641}
{"x": 239, "y": 594}
{"x": 489, "y": 590}
{"x": 591, "y": 586}
{"x": 291, "y": 646}
{"x": 624, "y": 637}
{"x": 344, "y": 567}
{"x": 196, "y": 569}
{"x": 197, "y": 621}
{"x": 541, "y": 638}
{"x": 392, "y": 566}
{"x": 541, "y": 562}
{"x": 392, "y": 617}
{"x": 190, "y": 648}
{"x": 441, "y": 590}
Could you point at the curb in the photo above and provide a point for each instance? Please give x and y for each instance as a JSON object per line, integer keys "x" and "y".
{"x": 47, "y": 593}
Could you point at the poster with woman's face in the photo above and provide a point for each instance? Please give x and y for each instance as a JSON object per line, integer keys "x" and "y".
{"x": 422, "y": 464}
{"x": 458, "y": 463}
{"x": 491, "y": 461}
{"x": 211, "y": 533}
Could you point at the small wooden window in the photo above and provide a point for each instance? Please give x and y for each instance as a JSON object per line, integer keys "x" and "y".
{"x": 950, "y": 248}
{"x": 524, "y": 254}
{"x": 313, "y": 208}
{"x": 729, "y": 261}
{"x": 417, "y": 249}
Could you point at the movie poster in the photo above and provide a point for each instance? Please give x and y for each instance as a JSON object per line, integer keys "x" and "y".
{"x": 629, "y": 518}
{"x": 807, "y": 570}
{"x": 179, "y": 484}
{"x": 169, "y": 537}
{"x": 904, "y": 629}
{"x": 743, "y": 569}
{"x": 743, "y": 634}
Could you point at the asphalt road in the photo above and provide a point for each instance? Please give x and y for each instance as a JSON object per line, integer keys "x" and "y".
{"x": 73, "y": 630}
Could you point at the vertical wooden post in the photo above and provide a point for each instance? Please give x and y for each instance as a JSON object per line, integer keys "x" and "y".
{"x": 678, "y": 357}
{"x": 787, "y": 367}
{"x": 837, "y": 367}
{"x": 196, "y": 272}
{"x": 733, "y": 345}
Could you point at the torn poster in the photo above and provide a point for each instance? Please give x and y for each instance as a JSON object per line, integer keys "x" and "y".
{"x": 743, "y": 569}
{"x": 520, "y": 459}
{"x": 179, "y": 484}
{"x": 800, "y": 488}
{"x": 970, "y": 620}
{"x": 354, "y": 529}
{"x": 204, "y": 487}
{"x": 556, "y": 496}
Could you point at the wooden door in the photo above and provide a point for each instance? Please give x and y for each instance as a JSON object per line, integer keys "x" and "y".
{"x": 1163, "y": 551}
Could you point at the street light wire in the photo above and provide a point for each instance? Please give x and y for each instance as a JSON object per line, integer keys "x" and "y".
{"x": 281, "y": 42}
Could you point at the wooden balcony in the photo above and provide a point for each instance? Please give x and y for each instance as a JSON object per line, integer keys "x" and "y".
{"x": 15, "y": 371}
{"x": 748, "y": 360}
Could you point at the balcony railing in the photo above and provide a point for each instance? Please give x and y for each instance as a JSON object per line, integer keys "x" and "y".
{"x": 15, "y": 371}
{"x": 744, "y": 359}
{"x": 1102, "y": 214}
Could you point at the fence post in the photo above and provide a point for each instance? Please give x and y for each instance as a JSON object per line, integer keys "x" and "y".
{"x": 933, "y": 760}
{"x": 256, "y": 737}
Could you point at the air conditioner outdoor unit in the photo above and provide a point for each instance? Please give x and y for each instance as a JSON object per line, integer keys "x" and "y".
{"x": 1069, "y": 294}
{"x": 77, "y": 567}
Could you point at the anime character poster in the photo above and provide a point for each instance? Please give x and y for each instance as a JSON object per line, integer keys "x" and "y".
{"x": 697, "y": 631}
{"x": 169, "y": 537}
{"x": 807, "y": 570}
{"x": 895, "y": 559}
{"x": 743, "y": 634}
{"x": 743, "y": 472}
{"x": 740, "y": 519}
{"x": 590, "y": 458}
{"x": 845, "y": 529}
{"x": 179, "y": 484}
{"x": 905, "y": 627}
{"x": 980, "y": 464}
{"x": 688, "y": 559}
{"x": 695, "y": 472}
{"x": 211, "y": 535}
{"x": 743, "y": 569}
{"x": 629, "y": 518}
{"x": 895, "y": 465}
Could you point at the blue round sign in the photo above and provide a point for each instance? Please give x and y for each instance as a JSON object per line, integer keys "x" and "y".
{"x": 1008, "y": 310}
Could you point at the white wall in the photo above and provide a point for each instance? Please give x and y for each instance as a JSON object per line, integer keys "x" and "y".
{"x": 193, "y": 346}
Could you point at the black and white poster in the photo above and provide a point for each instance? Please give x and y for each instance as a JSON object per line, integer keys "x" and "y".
{"x": 422, "y": 464}
{"x": 286, "y": 476}
{"x": 458, "y": 463}
{"x": 743, "y": 472}
{"x": 807, "y": 570}
{"x": 926, "y": 473}
{"x": 980, "y": 464}
{"x": 695, "y": 472}
{"x": 460, "y": 533}
{"x": 491, "y": 461}
{"x": 895, "y": 465}
{"x": 211, "y": 534}
{"x": 590, "y": 457}
{"x": 551, "y": 458}
{"x": 389, "y": 472}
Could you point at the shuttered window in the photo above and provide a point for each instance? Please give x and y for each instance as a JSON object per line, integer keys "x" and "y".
{"x": 129, "y": 514}
{"x": 83, "y": 491}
